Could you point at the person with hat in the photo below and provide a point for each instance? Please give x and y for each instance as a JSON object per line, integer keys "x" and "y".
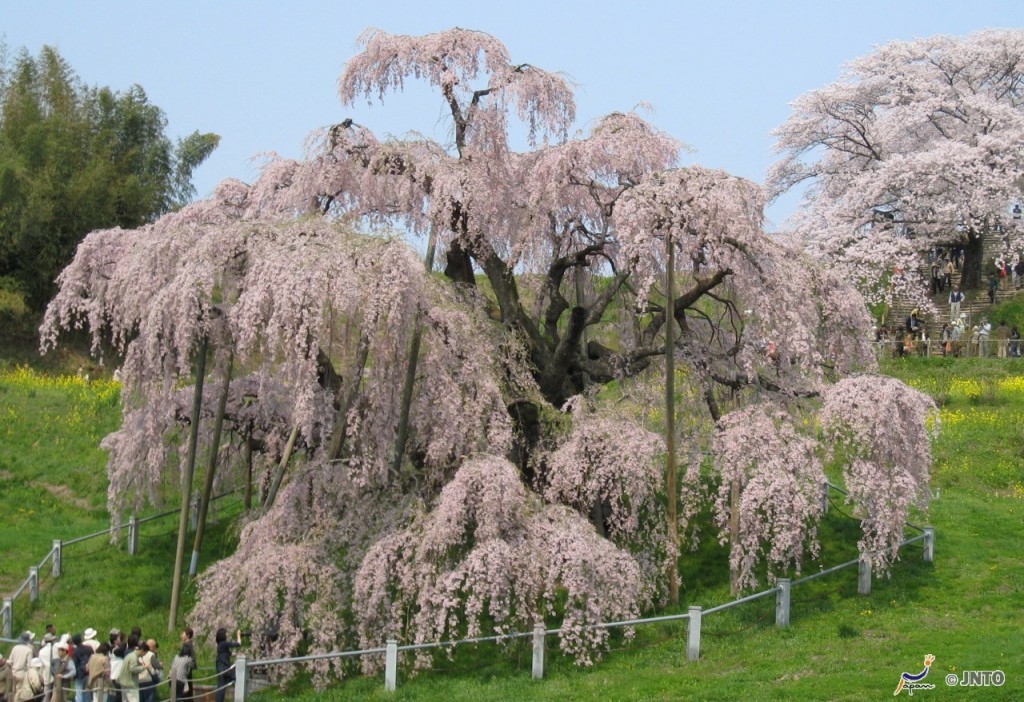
{"x": 31, "y": 687}
{"x": 89, "y": 639}
{"x": 48, "y": 655}
{"x": 21, "y": 655}
{"x": 63, "y": 674}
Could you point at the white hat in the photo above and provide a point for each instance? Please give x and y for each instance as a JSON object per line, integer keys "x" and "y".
{"x": 27, "y": 636}
{"x": 36, "y": 663}
{"x": 62, "y": 646}
{"x": 90, "y": 633}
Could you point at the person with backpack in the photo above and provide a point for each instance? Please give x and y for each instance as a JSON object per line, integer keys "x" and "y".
{"x": 31, "y": 688}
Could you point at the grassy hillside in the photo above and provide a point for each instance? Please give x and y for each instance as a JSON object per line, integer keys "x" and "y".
{"x": 53, "y": 486}
{"x": 965, "y": 608}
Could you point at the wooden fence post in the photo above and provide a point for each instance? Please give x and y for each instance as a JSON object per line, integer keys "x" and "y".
{"x": 864, "y": 575}
{"x": 693, "y": 634}
{"x": 8, "y": 617}
{"x": 241, "y": 678}
{"x": 56, "y": 557}
{"x": 929, "y": 544}
{"x": 391, "y": 666}
{"x": 538, "y": 650}
{"x": 782, "y": 599}
{"x": 133, "y": 535}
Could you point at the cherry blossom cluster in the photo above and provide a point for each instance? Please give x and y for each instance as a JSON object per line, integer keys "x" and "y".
{"x": 916, "y": 145}
{"x": 880, "y": 430}
{"x": 779, "y": 477}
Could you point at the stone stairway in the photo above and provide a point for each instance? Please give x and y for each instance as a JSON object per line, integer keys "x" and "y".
{"x": 975, "y": 306}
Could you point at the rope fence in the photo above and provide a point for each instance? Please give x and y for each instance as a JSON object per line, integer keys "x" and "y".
{"x": 694, "y": 617}
{"x": 970, "y": 345}
{"x": 54, "y": 558}
{"x": 782, "y": 590}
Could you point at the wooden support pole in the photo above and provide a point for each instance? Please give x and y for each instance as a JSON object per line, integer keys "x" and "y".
{"x": 186, "y": 487}
{"x": 670, "y": 417}
{"x": 204, "y": 502}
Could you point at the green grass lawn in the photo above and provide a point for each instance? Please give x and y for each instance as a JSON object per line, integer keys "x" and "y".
{"x": 965, "y": 608}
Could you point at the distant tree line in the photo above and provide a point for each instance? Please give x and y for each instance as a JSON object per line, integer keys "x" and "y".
{"x": 75, "y": 158}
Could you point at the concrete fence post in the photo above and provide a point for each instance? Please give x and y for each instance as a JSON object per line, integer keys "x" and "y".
{"x": 824, "y": 498}
{"x": 33, "y": 583}
{"x": 8, "y": 617}
{"x": 391, "y": 666}
{"x": 241, "y": 678}
{"x": 864, "y": 575}
{"x": 693, "y": 634}
{"x": 133, "y": 535}
{"x": 538, "y": 651}
{"x": 782, "y": 599}
{"x": 929, "y": 544}
{"x": 56, "y": 557}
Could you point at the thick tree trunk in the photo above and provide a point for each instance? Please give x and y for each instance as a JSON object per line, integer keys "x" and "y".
{"x": 971, "y": 273}
{"x": 526, "y": 418}
{"x": 459, "y": 265}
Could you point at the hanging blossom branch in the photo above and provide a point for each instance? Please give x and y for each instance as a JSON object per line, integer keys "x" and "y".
{"x": 780, "y": 478}
{"x": 490, "y": 553}
{"x": 610, "y": 463}
{"x": 880, "y": 431}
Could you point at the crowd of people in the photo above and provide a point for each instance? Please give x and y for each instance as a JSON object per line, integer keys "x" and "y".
{"x": 81, "y": 668}
{"x": 958, "y": 337}
{"x": 955, "y": 339}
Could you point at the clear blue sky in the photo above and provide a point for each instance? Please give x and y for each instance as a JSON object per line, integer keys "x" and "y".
{"x": 718, "y": 73}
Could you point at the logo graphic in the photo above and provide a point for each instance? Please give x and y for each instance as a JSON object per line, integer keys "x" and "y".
{"x": 912, "y": 681}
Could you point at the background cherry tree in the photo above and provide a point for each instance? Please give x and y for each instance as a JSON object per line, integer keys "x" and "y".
{"x": 529, "y": 483}
{"x": 916, "y": 145}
